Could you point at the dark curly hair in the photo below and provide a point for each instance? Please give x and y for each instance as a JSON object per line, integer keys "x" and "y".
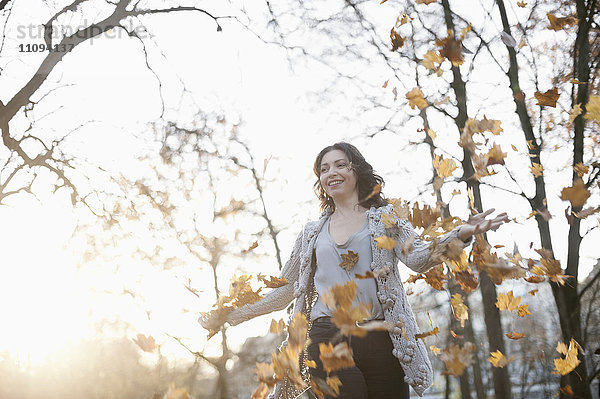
{"x": 365, "y": 176}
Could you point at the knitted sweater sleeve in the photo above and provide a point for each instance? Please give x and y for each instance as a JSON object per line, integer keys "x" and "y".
{"x": 418, "y": 259}
{"x": 277, "y": 298}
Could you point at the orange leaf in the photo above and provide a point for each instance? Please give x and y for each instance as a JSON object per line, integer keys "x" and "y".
{"x": 415, "y": 99}
{"x": 435, "y": 331}
{"x": 272, "y": 282}
{"x": 514, "y": 335}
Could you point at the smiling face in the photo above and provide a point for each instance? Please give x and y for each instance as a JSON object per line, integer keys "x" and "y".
{"x": 338, "y": 180}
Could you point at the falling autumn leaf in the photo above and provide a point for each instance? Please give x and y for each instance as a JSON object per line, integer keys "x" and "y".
{"x": 514, "y": 335}
{"x": 376, "y": 190}
{"x": 581, "y": 169}
{"x": 176, "y": 393}
{"x": 426, "y": 1}
{"x": 577, "y": 194}
{"x": 435, "y": 349}
{"x": 570, "y": 361}
{"x": 415, "y": 99}
{"x": 547, "y": 98}
{"x": 567, "y": 390}
{"x": 557, "y": 23}
{"x": 435, "y": 331}
{"x": 277, "y": 326}
{"x": 444, "y": 167}
{"x": 368, "y": 274}
{"x": 574, "y": 112}
{"x": 432, "y": 60}
{"x": 521, "y": 4}
{"x": 536, "y": 169}
{"x": 396, "y": 39}
{"x": 508, "y": 301}
{"x": 146, "y": 343}
{"x": 495, "y": 156}
{"x": 272, "y": 282}
{"x": 459, "y": 309}
{"x": 523, "y": 311}
{"x": 251, "y": 247}
{"x": 593, "y": 108}
{"x": 451, "y": 49}
{"x": 498, "y": 359}
{"x": 348, "y": 260}
{"x": 457, "y": 358}
{"x": 335, "y": 357}
{"x": 385, "y": 242}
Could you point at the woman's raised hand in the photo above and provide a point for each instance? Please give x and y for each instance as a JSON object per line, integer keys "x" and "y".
{"x": 478, "y": 224}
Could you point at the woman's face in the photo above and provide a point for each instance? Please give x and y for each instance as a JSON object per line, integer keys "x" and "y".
{"x": 338, "y": 180}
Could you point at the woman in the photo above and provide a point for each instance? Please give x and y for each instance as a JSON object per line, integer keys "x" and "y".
{"x": 386, "y": 362}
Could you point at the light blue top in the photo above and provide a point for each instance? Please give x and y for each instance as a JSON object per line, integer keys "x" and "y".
{"x": 329, "y": 272}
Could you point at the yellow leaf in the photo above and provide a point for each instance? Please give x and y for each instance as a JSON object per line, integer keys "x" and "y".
{"x": 473, "y": 126}
{"x": 508, "y": 301}
{"x": 457, "y": 358}
{"x": 177, "y": 393}
{"x": 498, "y": 359}
{"x": 385, "y": 242}
{"x": 277, "y": 326}
{"x": 426, "y": 1}
{"x": 349, "y": 260}
{"x": 513, "y": 147}
{"x": 310, "y": 363}
{"x": 335, "y": 357}
{"x": 444, "y": 167}
{"x": 574, "y": 112}
{"x": 416, "y": 99}
{"x": 334, "y": 383}
{"x": 432, "y": 60}
{"x": 577, "y": 194}
{"x": 435, "y": 349}
{"x": 385, "y": 83}
{"x": 431, "y": 133}
{"x": 547, "y": 98}
{"x": 593, "y": 108}
{"x": 521, "y": 4}
{"x": 459, "y": 309}
{"x": 570, "y": 362}
{"x": 536, "y": 169}
{"x": 523, "y": 311}
{"x": 388, "y": 220}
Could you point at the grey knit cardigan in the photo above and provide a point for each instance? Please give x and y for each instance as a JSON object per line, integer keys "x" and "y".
{"x": 411, "y": 353}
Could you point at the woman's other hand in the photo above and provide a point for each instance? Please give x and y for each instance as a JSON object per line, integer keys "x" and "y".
{"x": 478, "y": 224}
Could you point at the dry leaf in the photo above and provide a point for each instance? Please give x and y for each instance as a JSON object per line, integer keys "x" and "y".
{"x": 396, "y": 39}
{"x": 146, "y": 343}
{"x": 335, "y": 357}
{"x": 570, "y": 362}
{"x": 495, "y": 156}
{"x": 567, "y": 390}
{"x": 385, "y": 242}
{"x": 451, "y": 49}
{"x": 593, "y": 108}
{"x": 514, "y": 335}
{"x": 349, "y": 260}
{"x": 557, "y": 23}
{"x": 499, "y": 360}
{"x": 435, "y": 331}
{"x": 577, "y": 194}
{"x": 415, "y": 99}
{"x": 272, "y": 282}
{"x": 444, "y": 167}
{"x": 457, "y": 358}
{"x": 536, "y": 169}
{"x": 521, "y": 4}
{"x": 574, "y": 112}
{"x": 547, "y": 98}
{"x": 508, "y": 301}
{"x": 277, "y": 327}
{"x": 459, "y": 309}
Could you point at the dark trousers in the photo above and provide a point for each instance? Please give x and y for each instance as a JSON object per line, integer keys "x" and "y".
{"x": 377, "y": 373}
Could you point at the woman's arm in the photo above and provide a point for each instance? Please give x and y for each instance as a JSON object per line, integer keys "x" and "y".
{"x": 277, "y": 298}
{"x": 418, "y": 257}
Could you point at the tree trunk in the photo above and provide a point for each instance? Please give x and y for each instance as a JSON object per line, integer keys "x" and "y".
{"x": 567, "y": 301}
{"x": 502, "y": 386}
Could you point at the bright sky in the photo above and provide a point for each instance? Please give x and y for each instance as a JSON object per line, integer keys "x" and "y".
{"x": 53, "y": 301}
